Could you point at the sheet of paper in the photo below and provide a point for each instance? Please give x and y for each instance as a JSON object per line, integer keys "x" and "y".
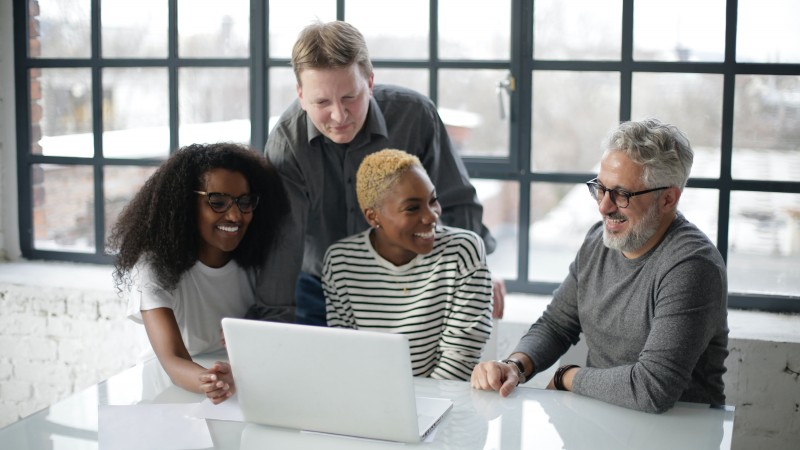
{"x": 151, "y": 425}
{"x": 228, "y": 410}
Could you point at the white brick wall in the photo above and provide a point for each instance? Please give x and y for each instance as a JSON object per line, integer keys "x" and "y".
{"x": 57, "y": 341}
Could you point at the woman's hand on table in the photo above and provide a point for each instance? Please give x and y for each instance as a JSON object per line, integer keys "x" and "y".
{"x": 217, "y": 382}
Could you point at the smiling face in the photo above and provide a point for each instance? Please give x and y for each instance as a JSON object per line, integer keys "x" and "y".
{"x": 336, "y": 100}
{"x": 221, "y": 233}
{"x": 405, "y": 221}
{"x": 639, "y": 227}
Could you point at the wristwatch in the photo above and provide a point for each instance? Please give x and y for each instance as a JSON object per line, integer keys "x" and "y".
{"x": 520, "y": 368}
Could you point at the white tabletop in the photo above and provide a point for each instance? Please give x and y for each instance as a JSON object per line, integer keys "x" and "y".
{"x": 529, "y": 418}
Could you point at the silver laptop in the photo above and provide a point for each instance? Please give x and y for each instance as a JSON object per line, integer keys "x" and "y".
{"x": 331, "y": 380}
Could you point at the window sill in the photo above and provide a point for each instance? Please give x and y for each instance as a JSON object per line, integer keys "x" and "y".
{"x": 68, "y": 275}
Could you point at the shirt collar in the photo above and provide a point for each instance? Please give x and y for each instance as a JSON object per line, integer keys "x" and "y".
{"x": 375, "y": 123}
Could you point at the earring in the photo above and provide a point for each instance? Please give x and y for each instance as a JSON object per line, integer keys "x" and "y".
{"x": 377, "y": 225}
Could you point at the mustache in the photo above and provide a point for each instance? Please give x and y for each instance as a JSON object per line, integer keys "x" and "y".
{"x": 617, "y": 216}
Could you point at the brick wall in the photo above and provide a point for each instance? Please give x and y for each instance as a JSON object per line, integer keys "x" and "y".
{"x": 56, "y": 341}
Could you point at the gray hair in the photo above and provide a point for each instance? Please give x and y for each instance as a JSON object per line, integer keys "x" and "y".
{"x": 661, "y": 149}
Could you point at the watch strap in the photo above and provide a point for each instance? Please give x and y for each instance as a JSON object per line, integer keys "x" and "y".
{"x": 520, "y": 368}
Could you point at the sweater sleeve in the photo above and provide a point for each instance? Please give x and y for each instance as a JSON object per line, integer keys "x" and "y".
{"x": 339, "y": 313}
{"x": 558, "y": 328}
{"x": 468, "y": 323}
{"x": 687, "y": 312}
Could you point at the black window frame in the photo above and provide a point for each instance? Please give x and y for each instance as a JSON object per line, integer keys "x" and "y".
{"x": 515, "y": 167}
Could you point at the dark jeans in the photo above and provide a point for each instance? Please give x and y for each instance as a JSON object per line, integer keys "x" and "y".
{"x": 310, "y": 301}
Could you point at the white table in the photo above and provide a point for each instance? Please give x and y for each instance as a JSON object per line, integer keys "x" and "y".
{"x": 529, "y": 418}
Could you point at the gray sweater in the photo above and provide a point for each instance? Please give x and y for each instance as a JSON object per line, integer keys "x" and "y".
{"x": 656, "y": 326}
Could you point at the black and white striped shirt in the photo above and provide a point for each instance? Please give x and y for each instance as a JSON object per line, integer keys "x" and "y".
{"x": 442, "y": 300}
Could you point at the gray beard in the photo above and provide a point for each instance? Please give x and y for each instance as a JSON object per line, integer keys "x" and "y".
{"x": 636, "y": 237}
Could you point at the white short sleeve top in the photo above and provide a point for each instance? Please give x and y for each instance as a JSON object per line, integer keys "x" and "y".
{"x": 202, "y": 297}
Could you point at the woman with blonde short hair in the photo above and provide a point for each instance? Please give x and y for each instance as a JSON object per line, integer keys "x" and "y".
{"x": 408, "y": 275}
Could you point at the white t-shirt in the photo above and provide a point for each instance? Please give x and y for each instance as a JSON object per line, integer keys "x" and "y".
{"x": 202, "y": 297}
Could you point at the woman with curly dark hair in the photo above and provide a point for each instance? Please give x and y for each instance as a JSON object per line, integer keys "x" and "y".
{"x": 189, "y": 246}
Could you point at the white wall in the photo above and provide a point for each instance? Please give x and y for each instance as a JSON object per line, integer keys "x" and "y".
{"x": 762, "y": 382}
{"x": 9, "y": 234}
{"x": 58, "y": 341}
{"x": 62, "y": 329}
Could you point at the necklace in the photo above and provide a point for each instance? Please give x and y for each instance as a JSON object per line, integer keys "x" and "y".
{"x": 373, "y": 241}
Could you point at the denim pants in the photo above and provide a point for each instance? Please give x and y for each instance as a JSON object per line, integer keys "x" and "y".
{"x": 310, "y": 301}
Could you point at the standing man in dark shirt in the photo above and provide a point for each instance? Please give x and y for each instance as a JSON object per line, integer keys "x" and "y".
{"x": 317, "y": 145}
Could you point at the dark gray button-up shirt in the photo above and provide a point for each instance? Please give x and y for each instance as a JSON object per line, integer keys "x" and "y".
{"x": 319, "y": 176}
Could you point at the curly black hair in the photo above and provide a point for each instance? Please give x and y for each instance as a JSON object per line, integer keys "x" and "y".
{"x": 160, "y": 222}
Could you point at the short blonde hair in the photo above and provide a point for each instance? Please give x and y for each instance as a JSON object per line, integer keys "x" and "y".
{"x": 379, "y": 172}
{"x": 331, "y": 45}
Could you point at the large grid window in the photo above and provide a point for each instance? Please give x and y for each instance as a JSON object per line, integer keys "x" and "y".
{"x": 106, "y": 89}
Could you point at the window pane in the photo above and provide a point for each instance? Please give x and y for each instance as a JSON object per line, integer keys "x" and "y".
{"x": 474, "y": 120}
{"x": 394, "y": 30}
{"x": 767, "y": 31}
{"x": 474, "y": 29}
{"x": 416, "y": 79}
{"x": 209, "y": 28}
{"x": 701, "y": 207}
{"x": 282, "y": 92}
{"x": 580, "y": 29}
{"x": 60, "y": 29}
{"x": 500, "y": 200}
{"x": 144, "y": 19}
{"x": 63, "y": 208}
{"x": 684, "y": 30}
{"x": 214, "y": 105}
{"x": 61, "y": 112}
{"x": 563, "y": 210}
{"x": 572, "y": 113}
{"x": 135, "y": 113}
{"x": 288, "y": 17}
{"x": 690, "y": 101}
{"x": 120, "y": 184}
{"x": 764, "y": 243}
{"x": 766, "y": 128}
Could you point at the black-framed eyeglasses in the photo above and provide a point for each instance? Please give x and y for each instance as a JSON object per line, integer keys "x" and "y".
{"x": 221, "y": 203}
{"x": 620, "y": 197}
